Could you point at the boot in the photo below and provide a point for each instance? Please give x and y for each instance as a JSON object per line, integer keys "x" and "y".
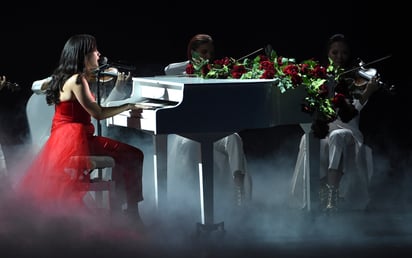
{"x": 323, "y": 195}
{"x": 332, "y": 199}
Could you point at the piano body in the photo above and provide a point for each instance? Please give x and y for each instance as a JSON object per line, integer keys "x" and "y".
{"x": 206, "y": 110}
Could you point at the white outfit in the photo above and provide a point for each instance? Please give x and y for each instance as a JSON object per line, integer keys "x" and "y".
{"x": 3, "y": 167}
{"x": 176, "y": 68}
{"x": 344, "y": 143}
{"x": 229, "y": 156}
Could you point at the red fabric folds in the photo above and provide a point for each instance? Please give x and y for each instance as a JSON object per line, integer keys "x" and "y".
{"x": 55, "y": 179}
{"x": 58, "y": 180}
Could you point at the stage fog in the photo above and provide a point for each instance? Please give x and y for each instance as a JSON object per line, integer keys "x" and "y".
{"x": 265, "y": 224}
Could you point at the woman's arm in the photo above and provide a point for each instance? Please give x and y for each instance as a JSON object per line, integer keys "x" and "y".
{"x": 85, "y": 97}
{"x": 371, "y": 87}
{"x": 119, "y": 92}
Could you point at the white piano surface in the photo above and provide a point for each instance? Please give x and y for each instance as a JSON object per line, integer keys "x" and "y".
{"x": 211, "y": 105}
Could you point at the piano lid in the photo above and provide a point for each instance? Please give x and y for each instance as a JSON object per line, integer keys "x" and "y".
{"x": 179, "y": 80}
{"x": 218, "y": 105}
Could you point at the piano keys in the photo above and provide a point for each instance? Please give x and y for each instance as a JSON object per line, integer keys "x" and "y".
{"x": 206, "y": 110}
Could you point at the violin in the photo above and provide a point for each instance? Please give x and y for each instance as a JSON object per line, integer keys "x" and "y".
{"x": 12, "y": 86}
{"x": 364, "y": 75}
{"x": 105, "y": 72}
{"x": 108, "y": 74}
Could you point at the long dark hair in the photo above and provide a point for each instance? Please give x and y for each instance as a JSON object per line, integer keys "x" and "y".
{"x": 71, "y": 62}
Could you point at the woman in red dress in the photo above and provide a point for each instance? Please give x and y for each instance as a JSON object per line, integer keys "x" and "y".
{"x": 48, "y": 182}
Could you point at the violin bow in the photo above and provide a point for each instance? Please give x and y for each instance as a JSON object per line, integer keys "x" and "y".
{"x": 246, "y": 56}
{"x": 366, "y": 64}
{"x": 377, "y": 60}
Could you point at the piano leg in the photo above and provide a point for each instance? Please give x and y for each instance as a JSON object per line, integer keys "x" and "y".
{"x": 160, "y": 170}
{"x": 206, "y": 177}
{"x": 206, "y": 182}
{"x": 313, "y": 158}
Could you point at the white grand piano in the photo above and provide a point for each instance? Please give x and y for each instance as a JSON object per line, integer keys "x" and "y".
{"x": 206, "y": 110}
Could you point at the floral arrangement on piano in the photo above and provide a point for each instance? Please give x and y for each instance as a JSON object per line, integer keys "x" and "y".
{"x": 286, "y": 73}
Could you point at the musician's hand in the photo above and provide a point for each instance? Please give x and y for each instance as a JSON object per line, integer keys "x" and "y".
{"x": 123, "y": 78}
{"x": 136, "y": 113}
{"x": 137, "y": 109}
{"x": 373, "y": 84}
{"x": 371, "y": 87}
{"x": 2, "y": 81}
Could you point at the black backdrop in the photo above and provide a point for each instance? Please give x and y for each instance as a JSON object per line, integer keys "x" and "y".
{"x": 151, "y": 35}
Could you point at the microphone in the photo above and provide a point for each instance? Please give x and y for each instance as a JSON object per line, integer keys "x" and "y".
{"x": 103, "y": 60}
{"x": 102, "y": 69}
{"x": 102, "y": 64}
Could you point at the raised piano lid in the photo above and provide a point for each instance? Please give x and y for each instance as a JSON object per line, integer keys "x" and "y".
{"x": 170, "y": 88}
{"x": 218, "y": 105}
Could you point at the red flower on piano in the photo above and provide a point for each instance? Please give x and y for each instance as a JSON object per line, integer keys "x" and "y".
{"x": 190, "y": 69}
{"x": 286, "y": 73}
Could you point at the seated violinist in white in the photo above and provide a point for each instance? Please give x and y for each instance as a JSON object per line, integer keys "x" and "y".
{"x": 230, "y": 164}
{"x": 346, "y": 164}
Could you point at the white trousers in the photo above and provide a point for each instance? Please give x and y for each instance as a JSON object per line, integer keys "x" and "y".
{"x": 228, "y": 157}
{"x": 338, "y": 149}
{"x": 3, "y": 166}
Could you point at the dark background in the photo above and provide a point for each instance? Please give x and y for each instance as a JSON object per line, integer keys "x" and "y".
{"x": 151, "y": 35}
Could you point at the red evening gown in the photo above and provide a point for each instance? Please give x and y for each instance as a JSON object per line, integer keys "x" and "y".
{"x": 55, "y": 181}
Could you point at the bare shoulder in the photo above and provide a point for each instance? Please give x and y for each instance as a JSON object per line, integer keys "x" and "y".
{"x": 72, "y": 84}
{"x": 69, "y": 87}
